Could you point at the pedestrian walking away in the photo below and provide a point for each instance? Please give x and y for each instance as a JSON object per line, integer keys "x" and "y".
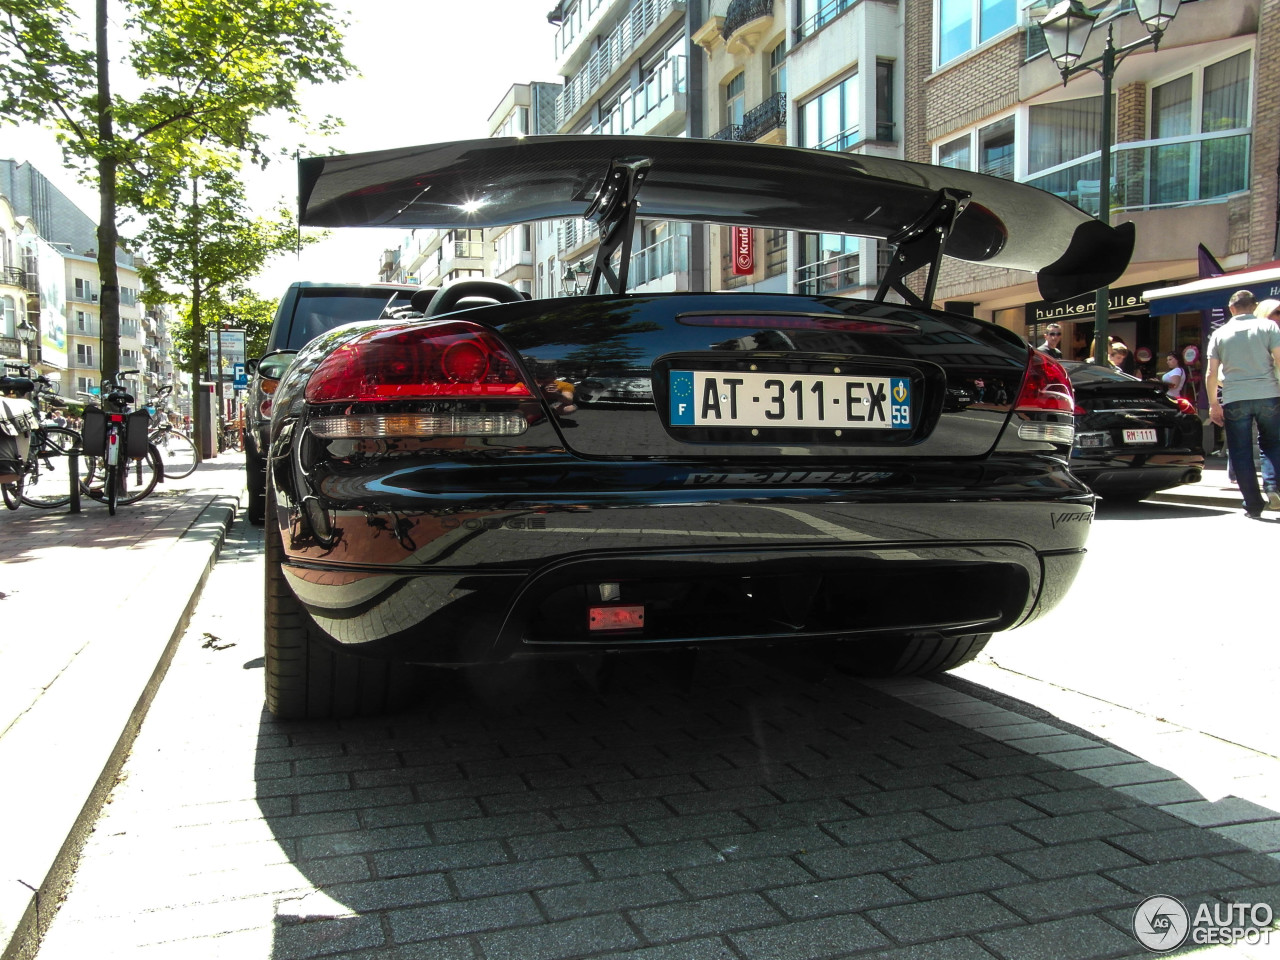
{"x": 1244, "y": 354}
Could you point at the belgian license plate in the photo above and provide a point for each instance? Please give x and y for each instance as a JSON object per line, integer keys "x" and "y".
{"x": 1139, "y": 436}
{"x": 716, "y": 398}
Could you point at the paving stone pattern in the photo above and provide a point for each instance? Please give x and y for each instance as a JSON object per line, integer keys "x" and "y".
{"x": 735, "y": 810}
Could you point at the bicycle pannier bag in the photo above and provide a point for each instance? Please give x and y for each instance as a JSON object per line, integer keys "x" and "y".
{"x": 136, "y": 431}
{"x": 93, "y": 432}
{"x": 17, "y": 419}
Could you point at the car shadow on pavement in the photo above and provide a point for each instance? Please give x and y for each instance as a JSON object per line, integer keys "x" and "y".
{"x": 737, "y": 806}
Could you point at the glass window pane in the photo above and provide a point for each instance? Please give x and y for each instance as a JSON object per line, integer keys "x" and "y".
{"x": 1171, "y": 109}
{"x": 997, "y": 16}
{"x": 1226, "y": 95}
{"x": 1061, "y": 132}
{"x": 995, "y": 149}
{"x": 955, "y": 28}
{"x": 955, "y": 154}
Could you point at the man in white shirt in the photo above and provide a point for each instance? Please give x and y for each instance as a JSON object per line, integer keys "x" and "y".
{"x": 1245, "y": 353}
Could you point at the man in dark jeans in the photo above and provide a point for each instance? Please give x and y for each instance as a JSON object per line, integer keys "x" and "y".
{"x": 1245, "y": 353}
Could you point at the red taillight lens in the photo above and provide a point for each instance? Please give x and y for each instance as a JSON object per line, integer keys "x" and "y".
{"x": 1185, "y": 405}
{"x": 454, "y": 359}
{"x": 1046, "y": 386}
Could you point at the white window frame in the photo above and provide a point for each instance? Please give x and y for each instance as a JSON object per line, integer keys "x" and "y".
{"x": 975, "y": 31}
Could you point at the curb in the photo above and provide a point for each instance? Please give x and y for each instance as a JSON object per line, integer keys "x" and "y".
{"x": 87, "y": 722}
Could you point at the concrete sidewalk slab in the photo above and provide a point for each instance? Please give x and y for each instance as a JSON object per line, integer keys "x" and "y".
{"x": 93, "y": 605}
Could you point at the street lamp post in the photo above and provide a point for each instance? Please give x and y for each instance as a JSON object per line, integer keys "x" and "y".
{"x": 27, "y": 336}
{"x": 1066, "y": 30}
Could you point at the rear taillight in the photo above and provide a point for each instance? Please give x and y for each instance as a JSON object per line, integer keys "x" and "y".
{"x": 1185, "y": 405}
{"x": 1046, "y": 387}
{"x": 448, "y": 360}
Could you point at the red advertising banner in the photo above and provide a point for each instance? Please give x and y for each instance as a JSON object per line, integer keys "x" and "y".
{"x": 744, "y": 252}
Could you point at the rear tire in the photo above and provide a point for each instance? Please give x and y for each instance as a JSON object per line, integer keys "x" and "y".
{"x": 307, "y": 679}
{"x": 255, "y": 483}
{"x": 914, "y": 656}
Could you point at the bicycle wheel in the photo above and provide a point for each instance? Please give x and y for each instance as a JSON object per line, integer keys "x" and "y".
{"x": 111, "y": 487}
{"x": 177, "y": 453}
{"x": 140, "y": 476}
{"x": 48, "y": 478}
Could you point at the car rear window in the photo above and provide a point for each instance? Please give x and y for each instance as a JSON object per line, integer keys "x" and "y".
{"x": 319, "y": 310}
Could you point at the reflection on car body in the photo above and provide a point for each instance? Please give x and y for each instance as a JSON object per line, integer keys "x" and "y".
{"x": 463, "y": 484}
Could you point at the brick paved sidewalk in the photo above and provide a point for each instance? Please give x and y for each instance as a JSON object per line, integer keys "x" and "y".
{"x": 90, "y": 604}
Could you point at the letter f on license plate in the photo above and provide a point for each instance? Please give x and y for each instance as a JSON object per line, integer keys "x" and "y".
{"x": 702, "y": 398}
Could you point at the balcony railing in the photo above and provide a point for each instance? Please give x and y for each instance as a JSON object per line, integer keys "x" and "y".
{"x": 574, "y": 233}
{"x": 648, "y": 101}
{"x": 1151, "y": 174}
{"x": 12, "y": 347}
{"x": 668, "y": 255}
{"x": 839, "y": 272}
{"x": 629, "y": 35}
{"x": 761, "y": 119}
{"x": 742, "y": 12}
{"x": 826, "y": 13}
{"x": 90, "y": 328}
{"x": 13, "y": 276}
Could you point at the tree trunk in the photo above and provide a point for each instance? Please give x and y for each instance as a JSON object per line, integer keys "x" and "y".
{"x": 108, "y": 236}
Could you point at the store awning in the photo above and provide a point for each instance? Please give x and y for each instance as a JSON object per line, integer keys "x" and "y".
{"x": 1214, "y": 291}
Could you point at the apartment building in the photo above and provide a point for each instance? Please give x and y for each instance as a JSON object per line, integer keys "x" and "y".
{"x": 982, "y": 93}
{"x": 627, "y": 70}
{"x": 13, "y": 286}
{"x": 56, "y": 246}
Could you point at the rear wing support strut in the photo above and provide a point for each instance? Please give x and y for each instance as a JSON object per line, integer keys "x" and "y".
{"x": 920, "y": 245}
{"x": 614, "y": 211}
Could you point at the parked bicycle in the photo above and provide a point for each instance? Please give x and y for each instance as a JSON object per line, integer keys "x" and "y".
{"x": 124, "y": 466}
{"x": 42, "y": 474}
{"x": 177, "y": 451}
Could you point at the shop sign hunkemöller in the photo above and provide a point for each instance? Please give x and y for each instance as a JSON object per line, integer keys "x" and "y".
{"x": 1121, "y": 300}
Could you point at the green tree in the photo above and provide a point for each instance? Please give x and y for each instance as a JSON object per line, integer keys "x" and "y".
{"x": 199, "y": 254}
{"x": 203, "y": 71}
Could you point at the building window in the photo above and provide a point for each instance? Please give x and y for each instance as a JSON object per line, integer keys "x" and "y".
{"x": 830, "y": 120}
{"x": 995, "y": 149}
{"x": 990, "y": 149}
{"x": 1219, "y": 102}
{"x": 84, "y": 289}
{"x": 84, "y": 354}
{"x": 735, "y": 99}
{"x": 8, "y": 313}
{"x": 82, "y": 321}
{"x": 964, "y": 24}
{"x": 1061, "y": 132}
{"x": 830, "y": 262}
{"x": 955, "y": 154}
{"x": 778, "y": 69}
{"x": 884, "y": 101}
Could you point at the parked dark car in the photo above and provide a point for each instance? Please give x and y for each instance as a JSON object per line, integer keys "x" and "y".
{"x": 306, "y": 310}
{"x": 875, "y": 478}
{"x": 1132, "y": 440}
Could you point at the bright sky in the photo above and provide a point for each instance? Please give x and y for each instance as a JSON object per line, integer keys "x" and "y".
{"x": 430, "y": 71}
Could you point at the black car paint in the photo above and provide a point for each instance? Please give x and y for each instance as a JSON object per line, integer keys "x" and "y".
{"x": 1109, "y": 402}
{"x": 474, "y": 550}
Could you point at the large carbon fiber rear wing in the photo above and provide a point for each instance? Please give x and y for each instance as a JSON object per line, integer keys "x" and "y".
{"x": 926, "y": 212}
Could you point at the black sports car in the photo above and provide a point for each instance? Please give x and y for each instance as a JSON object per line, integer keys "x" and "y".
{"x": 1132, "y": 440}
{"x": 305, "y": 311}
{"x": 451, "y": 484}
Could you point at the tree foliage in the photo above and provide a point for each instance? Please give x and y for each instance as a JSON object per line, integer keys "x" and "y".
{"x": 198, "y": 73}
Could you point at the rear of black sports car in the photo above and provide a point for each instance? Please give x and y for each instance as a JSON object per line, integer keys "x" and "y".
{"x": 1132, "y": 439}
{"x": 617, "y": 472}
{"x": 806, "y": 468}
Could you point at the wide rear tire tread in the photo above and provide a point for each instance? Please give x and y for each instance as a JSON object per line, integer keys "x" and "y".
{"x": 305, "y": 678}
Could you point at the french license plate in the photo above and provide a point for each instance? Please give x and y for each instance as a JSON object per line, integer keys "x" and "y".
{"x": 1139, "y": 436}
{"x": 716, "y": 398}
